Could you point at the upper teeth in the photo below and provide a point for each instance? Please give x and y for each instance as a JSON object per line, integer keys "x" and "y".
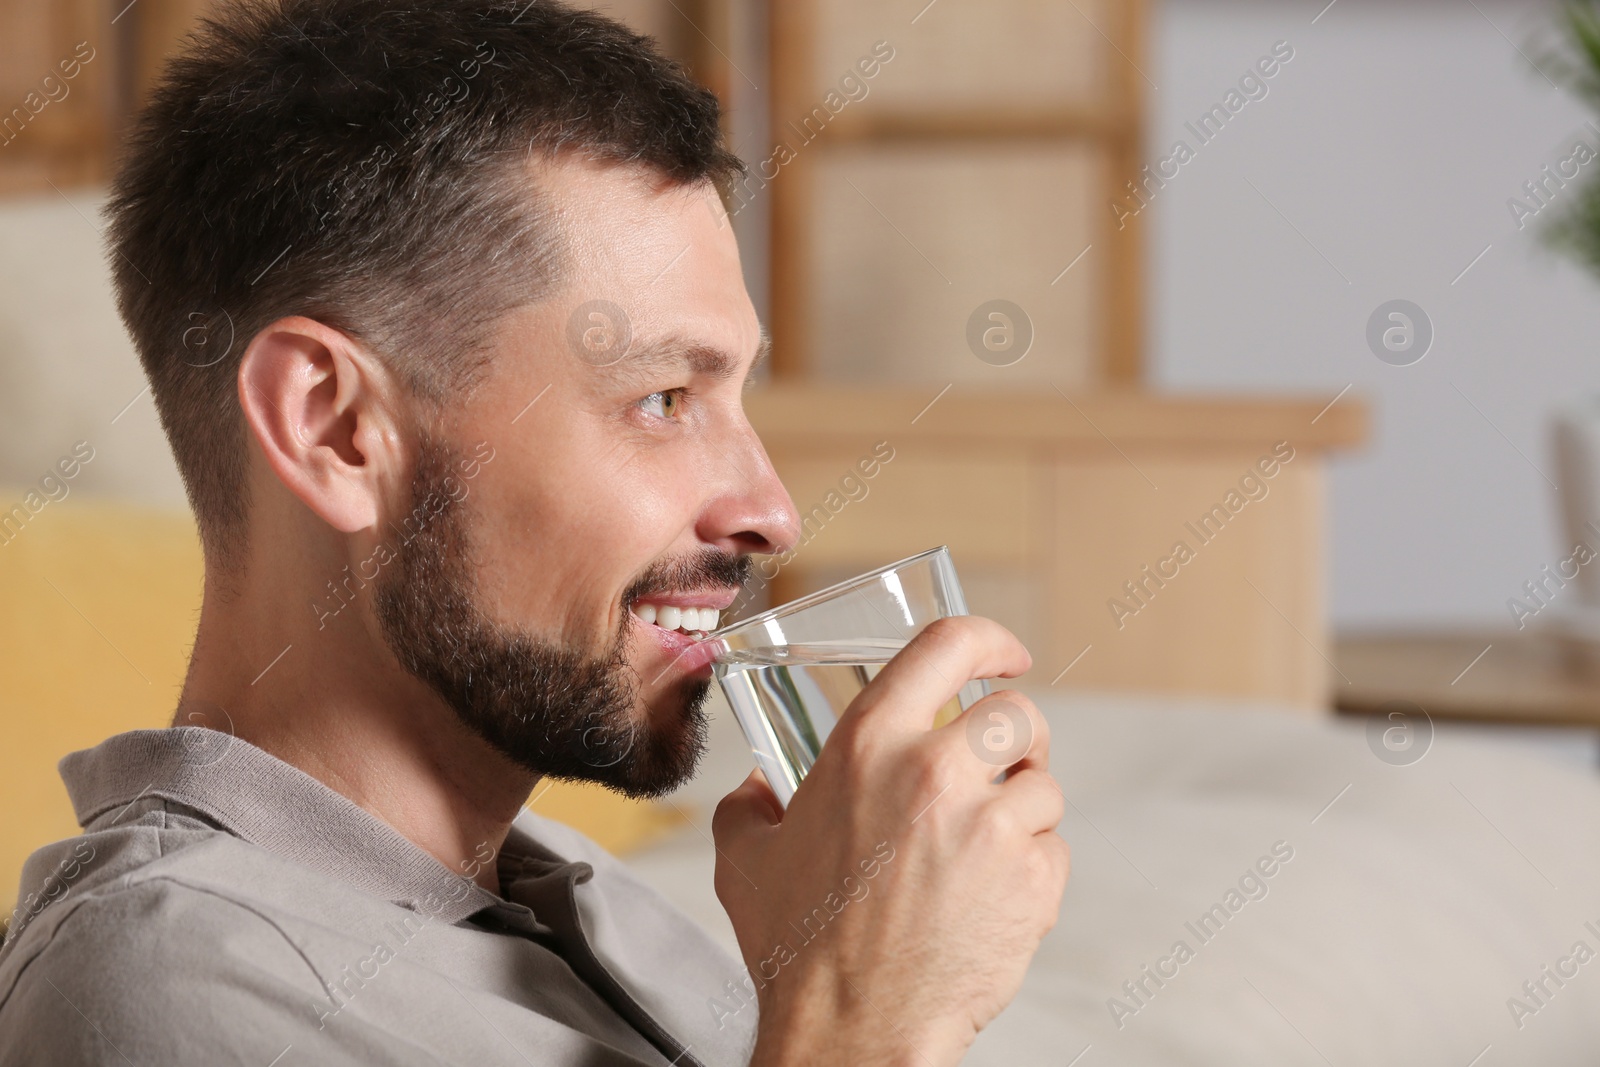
{"x": 674, "y": 618}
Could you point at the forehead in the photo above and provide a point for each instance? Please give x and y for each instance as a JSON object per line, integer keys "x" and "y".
{"x": 661, "y": 253}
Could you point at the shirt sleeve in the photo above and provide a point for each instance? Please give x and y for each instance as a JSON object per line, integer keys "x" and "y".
{"x": 163, "y": 973}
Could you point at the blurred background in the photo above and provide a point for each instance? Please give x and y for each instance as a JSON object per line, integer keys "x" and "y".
{"x": 1277, "y": 282}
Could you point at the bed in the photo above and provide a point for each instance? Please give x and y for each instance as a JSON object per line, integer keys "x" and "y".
{"x": 1418, "y": 899}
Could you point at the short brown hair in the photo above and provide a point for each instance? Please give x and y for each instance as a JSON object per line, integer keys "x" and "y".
{"x": 362, "y": 162}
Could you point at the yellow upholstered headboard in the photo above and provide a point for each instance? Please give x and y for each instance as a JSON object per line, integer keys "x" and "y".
{"x": 98, "y": 605}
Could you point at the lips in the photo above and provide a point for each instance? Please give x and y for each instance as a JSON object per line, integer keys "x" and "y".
{"x": 680, "y": 622}
{"x": 690, "y": 654}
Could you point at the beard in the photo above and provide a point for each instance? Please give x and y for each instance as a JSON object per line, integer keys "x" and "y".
{"x": 572, "y": 713}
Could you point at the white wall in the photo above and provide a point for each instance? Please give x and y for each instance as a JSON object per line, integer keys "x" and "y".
{"x": 1392, "y": 141}
{"x": 67, "y": 368}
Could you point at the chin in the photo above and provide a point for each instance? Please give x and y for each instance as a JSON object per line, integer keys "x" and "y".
{"x": 663, "y": 747}
{"x": 677, "y": 707}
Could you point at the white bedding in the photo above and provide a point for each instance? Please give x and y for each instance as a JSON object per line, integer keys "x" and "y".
{"x": 1414, "y": 907}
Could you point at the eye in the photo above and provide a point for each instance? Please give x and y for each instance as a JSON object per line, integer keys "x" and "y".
{"x": 667, "y": 404}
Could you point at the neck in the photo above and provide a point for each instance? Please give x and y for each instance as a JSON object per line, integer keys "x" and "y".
{"x": 333, "y": 702}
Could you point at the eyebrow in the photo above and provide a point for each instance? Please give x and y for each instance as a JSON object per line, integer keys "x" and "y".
{"x": 763, "y": 350}
{"x": 702, "y": 359}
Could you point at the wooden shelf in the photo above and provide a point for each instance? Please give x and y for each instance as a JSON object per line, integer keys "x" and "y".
{"x": 1523, "y": 677}
{"x": 985, "y": 124}
{"x": 1129, "y": 418}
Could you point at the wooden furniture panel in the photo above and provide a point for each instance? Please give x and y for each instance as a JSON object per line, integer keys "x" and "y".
{"x": 1050, "y": 504}
{"x": 964, "y": 83}
{"x": 56, "y": 104}
{"x": 918, "y": 236}
{"x": 1244, "y": 617}
{"x": 1526, "y": 677}
{"x": 791, "y": 415}
{"x": 1025, "y": 55}
{"x": 994, "y": 521}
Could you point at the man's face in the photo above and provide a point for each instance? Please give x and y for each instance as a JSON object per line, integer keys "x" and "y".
{"x": 624, "y": 484}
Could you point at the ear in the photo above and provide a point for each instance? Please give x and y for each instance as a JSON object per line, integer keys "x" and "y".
{"x": 322, "y": 409}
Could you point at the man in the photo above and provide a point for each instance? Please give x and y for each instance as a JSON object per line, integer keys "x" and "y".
{"x": 445, "y": 323}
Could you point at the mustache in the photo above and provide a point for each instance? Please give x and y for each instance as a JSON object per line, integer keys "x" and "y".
{"x": 686, "y": 574}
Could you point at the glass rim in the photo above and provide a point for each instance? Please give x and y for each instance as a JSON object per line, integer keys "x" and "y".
{"x": 811, "y": 599}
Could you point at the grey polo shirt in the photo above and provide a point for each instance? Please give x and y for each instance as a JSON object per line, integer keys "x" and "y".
{"x": 222, "y": 907}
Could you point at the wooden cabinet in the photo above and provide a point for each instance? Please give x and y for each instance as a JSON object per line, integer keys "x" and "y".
{"x": 58, "y": 76}
{"x": 72, "y": 72}
{"x": 1053, "y": 507}
{"x": 927, "y": 161}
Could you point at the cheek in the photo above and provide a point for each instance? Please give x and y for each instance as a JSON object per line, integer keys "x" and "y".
{"x": 651, "y": 516}
{"x": 528, "y": 561}
{"x": 554, "y": 554}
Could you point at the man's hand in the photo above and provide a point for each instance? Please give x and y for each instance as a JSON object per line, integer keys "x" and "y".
{"x": 890, "y": 913}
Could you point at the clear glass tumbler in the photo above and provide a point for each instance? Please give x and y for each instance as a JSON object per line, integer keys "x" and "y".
{"x": 790, "y": 672}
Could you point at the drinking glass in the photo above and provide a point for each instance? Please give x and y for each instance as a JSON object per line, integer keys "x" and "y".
{"x": 789, "y": 673}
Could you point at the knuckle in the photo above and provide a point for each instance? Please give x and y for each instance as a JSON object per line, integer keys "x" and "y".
{"x": 939, "y": 766}
{"x": 1048, "y": 898}
{"x": 954, "y": 633}
{"x": 1061, "y": 854}
{"x": 1043, "y": 865}
{"x": 932, "y": 773}
{"x": 1003, "y": 728}
{"x": 854, "y": 746}
{"x": 1040, "y": 726}
{"x": 1019, "y": 698}
{"x": 725, "y": 885}
{"x": 1057, "y": 798}
{"x": 723, "y": 815}
{"x": 1002, "y": 823}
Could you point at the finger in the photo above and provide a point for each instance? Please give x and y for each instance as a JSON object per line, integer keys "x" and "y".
{"x": 750, "y": 810}
{"x": 1060, "y": 850}
{"x": 1032, "y": 800}
{"x": 1002, "y": 730}
{"x": 932, "y": 668}
{"x": 1059, "y": 853}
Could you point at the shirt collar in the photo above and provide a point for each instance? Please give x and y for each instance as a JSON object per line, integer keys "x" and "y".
{"x": 269, "y": 803}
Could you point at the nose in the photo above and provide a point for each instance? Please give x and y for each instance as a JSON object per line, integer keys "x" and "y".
{"x": 754, "y": 513}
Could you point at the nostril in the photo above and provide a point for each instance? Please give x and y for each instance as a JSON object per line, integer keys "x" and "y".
{"x": 755, "y": 543}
